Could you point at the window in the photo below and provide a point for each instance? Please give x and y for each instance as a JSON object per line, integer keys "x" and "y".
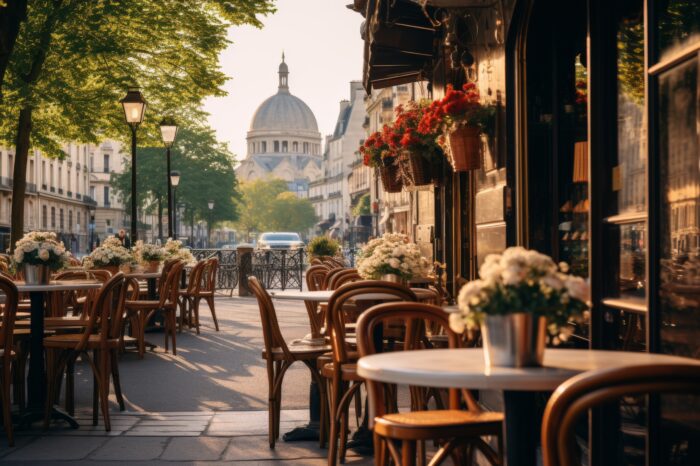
{"x": 43, "y": 172}
{"x": 92, "y": 163}
{"x": 105, "y": 163}
{"x": 306, "y": 147}
{"x": 105, "y": 197}
{"x": 285, "y": 146}
{"x": 77, "y": 221}
{"x": 10, "y": 166}
{"x": 31, "y": 171}
{"x": 69, "y": 181}
{"x": 44, "y": 217}
{"x": 61, "y": 220}
{"x": 295, "y": 146}
{"x": 77, "y": 181}
{"x": 70, "y": 220}
{"x": 264, "y": 147}
{"x": 276, "y": 146}
{"x": 53, "y": 217}
{"x": 60, "y": 177}
{"x": 92, "y": 192}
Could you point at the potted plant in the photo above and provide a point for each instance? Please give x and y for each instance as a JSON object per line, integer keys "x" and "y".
{"x": 174, "y": 249}
{"x": 520, "y": 297}
{"x": 323, "y": 246}
{"x": 110, "y": 255}
{"x": 419, "y": 153}
{"x": 463, "y": 119}
{"x": 392, "y": 257}
{"x": 377, "y": 153}
{"x": 148, "y": 255}
{"x": 37, "y": 254}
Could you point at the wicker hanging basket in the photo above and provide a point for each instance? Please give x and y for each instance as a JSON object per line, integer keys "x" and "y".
{"x": 464, "y": 148}
{"x": 416, "y": 169}
{"x": 391, "y": 178}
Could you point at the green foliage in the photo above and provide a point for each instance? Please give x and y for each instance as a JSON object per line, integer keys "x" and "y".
{"x": 206, "y": 169}
{"x": 362, "y": 207}
{"x": 267, "y": 205}
{"x": 323, "y": 246}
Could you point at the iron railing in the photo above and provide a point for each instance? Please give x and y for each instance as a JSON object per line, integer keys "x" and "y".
{"x": 227, "y": 276}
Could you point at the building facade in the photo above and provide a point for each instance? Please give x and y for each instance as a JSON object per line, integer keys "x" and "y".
{"x": 283, "y": 140}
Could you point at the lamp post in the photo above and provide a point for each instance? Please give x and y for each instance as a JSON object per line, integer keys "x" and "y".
{"x": 91, "y": 226}
{"x": 210, "y": 204}
{"x": 174, "y": 181}
{"x": 134, "y": 108}
{"x": 168, "y": 131}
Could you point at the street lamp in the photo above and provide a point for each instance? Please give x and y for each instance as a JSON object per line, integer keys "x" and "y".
{"x": 210, "y": 204}
{"x": 168, "y": 131}
{"x": 134, "y": 108}
{"x": 91, "y": 226}
{"x": 174, "y": 181}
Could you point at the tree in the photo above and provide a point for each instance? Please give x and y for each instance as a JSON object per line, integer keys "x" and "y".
{"x": 207, "y": 173}
{"x": 269, "y": 205}
{"x": 11, "y": 17}
{"x": 73, "y": 61}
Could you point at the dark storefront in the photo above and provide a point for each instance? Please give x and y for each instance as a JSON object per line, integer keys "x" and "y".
{"x": 594, "y": 158}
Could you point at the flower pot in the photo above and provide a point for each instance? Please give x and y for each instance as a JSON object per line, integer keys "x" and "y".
{"x": 514, "y": 340}
{"x": 393, "y": 278}
{"x": 36, "y": 274}
{"x": 126, "y": 268}
{"x": 113, "y": 269}
{"x": 151, "y": 266}
{"x": 464, "y": 145}
{"x": 415, "y": 168}
{"x": 391, "y": 179}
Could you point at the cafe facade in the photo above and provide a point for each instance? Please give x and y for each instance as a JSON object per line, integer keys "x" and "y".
{"x": 593, "y": 158}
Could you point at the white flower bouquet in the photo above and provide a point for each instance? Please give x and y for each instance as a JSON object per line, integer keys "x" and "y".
{"x": 523, "y": 281}
{"x": 109, "y": 253}
{"x": 146, "y": 252}
{"x": 174, "y": 250}
{"x": 41, "y": 248}
{"x": 392, "y": 254}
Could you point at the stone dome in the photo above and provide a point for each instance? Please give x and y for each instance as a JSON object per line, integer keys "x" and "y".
{"x": 283, "y": 111}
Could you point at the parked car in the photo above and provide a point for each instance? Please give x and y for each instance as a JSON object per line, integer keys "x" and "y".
{"x": 280, "y": 240}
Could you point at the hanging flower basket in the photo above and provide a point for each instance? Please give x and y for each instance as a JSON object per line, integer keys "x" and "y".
{"x": 391, "y": 178}
{"x": 464, "y": 148}
{"x": 416, "y": 169}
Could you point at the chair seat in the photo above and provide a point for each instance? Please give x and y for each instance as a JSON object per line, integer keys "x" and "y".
{"x": 70, "y": 340}
{"x": 349, "y": 372}
{"x": 417, "y": 425}
{"x": 328, "y": 358}
{"x": 142, "y": 304}
{"x": 68, "y": 321}
{"x": 299, "y": 351}
{"x": 23, "y": 315}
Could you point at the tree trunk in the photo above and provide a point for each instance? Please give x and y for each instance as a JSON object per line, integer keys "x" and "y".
{"x": 11, "y": 18}
{"x": 160, "y": 218}
{"x": 19, "y": 175}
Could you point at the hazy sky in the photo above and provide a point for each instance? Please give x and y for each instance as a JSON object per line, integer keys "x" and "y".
{"x": 322, "y": 44}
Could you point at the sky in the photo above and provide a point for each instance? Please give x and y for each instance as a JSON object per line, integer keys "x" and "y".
{"x": 322, "y": 46}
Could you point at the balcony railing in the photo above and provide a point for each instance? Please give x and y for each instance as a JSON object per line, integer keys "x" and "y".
{"x": 89, "y": 201}
{"x": 31, "y": 188}
{"x": 60, "y": 190}
{"x": 69, "y": 193}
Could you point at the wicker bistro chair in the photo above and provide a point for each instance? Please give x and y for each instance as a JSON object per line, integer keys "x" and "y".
{"x": 207, "y": 290}
{"x": 403, "y": 435}
{"x": 340, "y": 278}
{"x": 279, "y": 356}
{"x": 102, "y": 335}
{"x": 7, "y": 322}
{"x": 329, "y": 276}
{"x": 140, "y": 311}
{"x": 341, "y": 371}
{"x": 187, "y": 296}
{"x": 315, "y": 276}
{"x": 576, "y": 396}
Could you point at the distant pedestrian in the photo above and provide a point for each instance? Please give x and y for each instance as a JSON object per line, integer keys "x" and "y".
{"x": 121, "y": 236}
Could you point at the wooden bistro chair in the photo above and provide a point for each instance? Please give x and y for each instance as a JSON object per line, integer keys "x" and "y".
{"x": 140, "y": 311}
{"x": 207, "y": 290}
{"x": 187, "y": 296}
{"x": 576, "y": 396}
{"x": 340, "y": 278}
{"x": 279, "y": 356}
{"x": 403, "y": 435}
{"x": 102, "y": 336}
{"x": 341, "y": 370}
{"x": 8, "y": 310}
{"x": 315, "y": 276}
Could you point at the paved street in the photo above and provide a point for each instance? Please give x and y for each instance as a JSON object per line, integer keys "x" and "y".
{"x": 208, "y": 403}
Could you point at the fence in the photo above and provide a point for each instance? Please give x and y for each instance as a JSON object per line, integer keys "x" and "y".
{"x": 275, "y": 268}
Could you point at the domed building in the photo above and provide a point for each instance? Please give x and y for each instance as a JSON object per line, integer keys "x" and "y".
{"x": 283, "y": 140}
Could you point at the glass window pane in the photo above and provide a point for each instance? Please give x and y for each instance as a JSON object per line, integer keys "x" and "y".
{"x": 679, "y": 25}
{"x": 632, "y": 280}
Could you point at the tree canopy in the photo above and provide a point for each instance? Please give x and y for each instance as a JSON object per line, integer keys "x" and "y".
{"x": 268, "y": 205}
{"x": 74, "y": 59}
{"x": 206, "y": 168}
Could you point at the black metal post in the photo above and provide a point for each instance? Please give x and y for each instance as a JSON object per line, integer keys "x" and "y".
{"x": 170, "y": 197}
{"x": 134, "y": 218}
{"x": 209, "y": 228}
{"x": 174, "y": 214}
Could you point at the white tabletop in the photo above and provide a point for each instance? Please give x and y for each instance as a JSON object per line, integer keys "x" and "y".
{"x": 296, "y": 295}
{"x": 464, "y": 368}
{"x": 60, "y": 285}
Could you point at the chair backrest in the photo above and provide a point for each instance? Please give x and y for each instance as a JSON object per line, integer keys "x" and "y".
{"x": 335, "y": 315}
{"x": 107, "y": 311}
{"x": 63, "y": 301}
{"x": 415, "y": 319}
{"x": 167, "y": 265}
{"x": 576, "y": 396}
{"x": 101, "y": 275}
{"x": 339, "y": 278}
{"x": 272, "y": 334}
{"x": 170, "y": 291}
{"x": 196, "y": 276}
{"x": 329, "y": 276}
{"x": 211, "y": 271}
{"x": 315, "y": 276}
{"x": 7, "y": 317}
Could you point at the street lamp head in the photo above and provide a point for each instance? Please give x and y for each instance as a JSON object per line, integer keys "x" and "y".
{"x": 210, "y": 204}
{"x": 174, "y": 178}
{"x": 168, "y": 131}
{"x": 134, "y": 106}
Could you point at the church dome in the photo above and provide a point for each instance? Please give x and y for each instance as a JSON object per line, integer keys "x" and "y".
{"x": 283, "y": 111}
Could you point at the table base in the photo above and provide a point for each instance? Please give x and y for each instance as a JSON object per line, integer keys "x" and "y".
{"x": 56, "y": 414}
{"x": 522, "y": 423}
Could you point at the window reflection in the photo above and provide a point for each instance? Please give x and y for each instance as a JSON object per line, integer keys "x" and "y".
{"x": 679, "y": 25}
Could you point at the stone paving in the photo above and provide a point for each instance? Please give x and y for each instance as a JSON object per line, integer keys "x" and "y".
{"x": 207, "y": 404}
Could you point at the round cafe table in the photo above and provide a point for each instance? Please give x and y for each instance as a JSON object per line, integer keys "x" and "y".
{"x": 36, "y": 378}
{"x": 464, "y": 368}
